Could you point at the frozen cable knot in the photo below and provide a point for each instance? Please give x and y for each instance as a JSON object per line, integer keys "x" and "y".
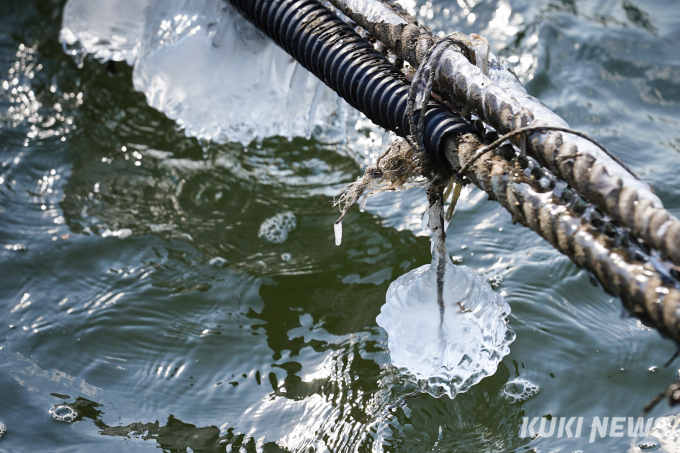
{"x": 400, "y": 167}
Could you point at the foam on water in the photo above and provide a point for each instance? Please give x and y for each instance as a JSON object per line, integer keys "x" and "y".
{"x": 64, "y": 413}
{"x": 447, "y": 337}
{"x": 275, "y": 229}
{"x": 202, "y": 65}
{"x": 518, "y": 390}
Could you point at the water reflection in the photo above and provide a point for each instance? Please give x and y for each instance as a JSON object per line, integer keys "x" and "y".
{"x": 151, "y": 293}
{"x": 483, "y": 416}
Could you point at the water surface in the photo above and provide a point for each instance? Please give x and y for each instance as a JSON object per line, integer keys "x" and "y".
{"x": 134, "y": 284}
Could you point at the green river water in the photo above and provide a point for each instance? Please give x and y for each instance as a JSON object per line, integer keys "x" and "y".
{"x": 134, "y": 286}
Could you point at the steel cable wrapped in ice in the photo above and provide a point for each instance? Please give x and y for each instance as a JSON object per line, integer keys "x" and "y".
{"x": 498, "y": 98}
{"x": 331, "y": 50}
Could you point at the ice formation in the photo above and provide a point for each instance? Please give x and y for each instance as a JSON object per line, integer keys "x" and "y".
{"x": 445, "y": 325}
{"x": 202, "y": 65}
{"x": 518, "y": 390}
{"x": 275, "y": 229}
{"x": 3, "y": 429}
{"x": 375, "y": 11}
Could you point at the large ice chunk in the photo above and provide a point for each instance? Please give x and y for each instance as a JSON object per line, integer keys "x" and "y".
{"x": 202, "y": 65}
{"x": 446, "y": 327}
{"x": 445, "y": 357}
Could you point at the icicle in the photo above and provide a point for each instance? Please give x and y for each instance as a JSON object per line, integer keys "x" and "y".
{"x": 338, "y": 232}
{"x": 362, "y": 204}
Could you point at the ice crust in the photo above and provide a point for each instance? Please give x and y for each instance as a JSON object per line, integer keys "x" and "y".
{"x": 202, "y": 65}
{"x": 375, "y": 11}
{"x": 450, "y": 357}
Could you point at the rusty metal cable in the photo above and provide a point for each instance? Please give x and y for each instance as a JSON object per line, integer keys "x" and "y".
{"x": 566, "y": 220}
{"x": 501, "y": 104}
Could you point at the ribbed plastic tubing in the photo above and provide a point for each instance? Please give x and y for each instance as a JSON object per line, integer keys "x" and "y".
{"x": 331, "y": 50}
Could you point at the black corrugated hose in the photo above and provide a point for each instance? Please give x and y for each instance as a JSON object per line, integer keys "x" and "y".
{"x": 331, "y": 50}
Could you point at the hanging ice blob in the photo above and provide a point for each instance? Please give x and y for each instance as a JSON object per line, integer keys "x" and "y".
{"x": 446, "y": 327}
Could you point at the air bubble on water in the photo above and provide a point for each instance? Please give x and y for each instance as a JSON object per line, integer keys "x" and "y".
{"x": 648, "y": 445}
{"x": 495, "y": 281}
{"x": 15, "y": 247}
{"x": 276, "y": 229}
{"x": 218, "y": 261}
{"x": 64, "y": 413}
{"x": 665, "y": 434}
{"x": 120, "y": 234}
{"x": 519, "y": 389}
{"x": 338, "y": 233}
{"x": 285, "y": 257}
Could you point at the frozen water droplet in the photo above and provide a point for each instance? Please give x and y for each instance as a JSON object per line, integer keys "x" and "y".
{"x": 518, "y": 390}
{"x": 338, "y": 233}
{"x": 275, "y": 229}
{"x": 64, "y": 413}
{"x": 362, "y": 204}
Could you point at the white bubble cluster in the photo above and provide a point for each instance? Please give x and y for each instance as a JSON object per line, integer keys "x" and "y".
{"x": 64, "y": 413}
{"x": 123, "y": 233}
{"x": 665, "y": 433}
{"x": 3, "y": 429}
{"x": 518, "y": 390}
{"x": 275, "y": 229}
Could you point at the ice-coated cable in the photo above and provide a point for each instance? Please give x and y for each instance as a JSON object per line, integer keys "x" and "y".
{"x": 331, "y": 49}
{"x": 501, "y": 101}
